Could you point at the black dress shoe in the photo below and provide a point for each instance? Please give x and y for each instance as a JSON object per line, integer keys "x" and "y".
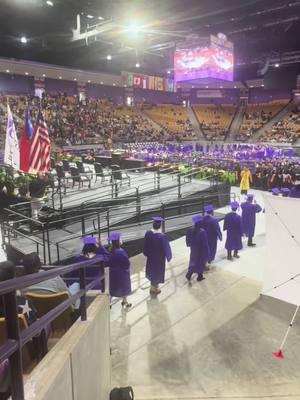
{"x": 188, "y": 276}
{"x": 251, "y": 244}
{"x": 236, "y": 256}
{"x": 200, "y": 278}
{"x": 229, "y": 258}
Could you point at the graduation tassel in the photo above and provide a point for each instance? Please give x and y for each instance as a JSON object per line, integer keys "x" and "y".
{"x": 279, "y": 353}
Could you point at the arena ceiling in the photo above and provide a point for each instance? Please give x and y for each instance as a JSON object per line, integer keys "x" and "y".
{"x": 145, "y": 31}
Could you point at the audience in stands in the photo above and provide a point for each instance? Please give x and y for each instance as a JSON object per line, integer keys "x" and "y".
{"x": 214, "y": 120}
{"x": 32, "y": 264}
{"x": 287, "y": 130}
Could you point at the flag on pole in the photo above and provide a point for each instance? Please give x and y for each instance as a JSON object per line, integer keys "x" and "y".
{"x": 39, "y": 159}
{"x": 25, "y": 142}
{"x": 12, "y": 151}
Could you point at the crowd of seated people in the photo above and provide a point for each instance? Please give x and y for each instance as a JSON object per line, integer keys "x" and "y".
{"x": 214, "y": 120}
{"x": 71, "y": 121}
{"x": 257, "y": 115}
{"x": 74, "y": 121}
{"x": 287, "y": 130}
{"x": 173, "y": 119}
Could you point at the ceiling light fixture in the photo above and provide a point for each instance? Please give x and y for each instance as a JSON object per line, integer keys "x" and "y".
{"x": 26, "y": 73}
{"x": 23, "y": 39}
{"x": 101, "y": 18}
{"x": 44, "y": 75}
{"x": 108, "y": 57}
{"x": 137, "y": 65}
{"x": 90, "y": 16}
{"x": 89, "y": 81}
{"x": 114, "y": 84}
{"x": 49, "y": 3}
{"x": 8, "y": 71}
{"x": 101, "y": 83}
{"x": 168, "y": 72}
{"x": 75, "y": 79}
{"x": 60, "y": 77}
{"x": 276, "y": 65}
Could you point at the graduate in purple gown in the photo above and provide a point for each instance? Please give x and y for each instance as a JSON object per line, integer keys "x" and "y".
{"x": 119, "y": 271}
{"x": 295, "y": 191}
{"x": 212, "y": 228}
{"x": 233, "y": 226}
{"x": 249, "y": 211}
{"x": 90, "y": 251}
{"x": 157, "y": 250}
{"x": 196, "y": 240}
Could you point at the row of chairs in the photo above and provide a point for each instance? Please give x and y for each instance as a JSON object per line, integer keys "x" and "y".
{"x": 35, "y": 349}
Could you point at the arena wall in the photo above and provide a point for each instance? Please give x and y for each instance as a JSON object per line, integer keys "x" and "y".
{"x": 78, "y": 367}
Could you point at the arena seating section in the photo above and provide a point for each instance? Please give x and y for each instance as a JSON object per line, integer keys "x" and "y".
{"x": 173, "y": 118}
{"x": 285, "y": 130}
{"x": 101, "y": 121}
{"x": 215, "y": 120}
{"x": 257, "y": 115}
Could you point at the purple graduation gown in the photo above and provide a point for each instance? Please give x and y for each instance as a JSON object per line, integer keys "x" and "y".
{"x": 91, "y": 272}
{"x": 249, "y": 211}
{"x": 157, "y": 249}
{"x": 212, "y": 228}
{"x": 233, "y": 226}
{"x": 196, "y": 239}
{"x": 119, "y": 274}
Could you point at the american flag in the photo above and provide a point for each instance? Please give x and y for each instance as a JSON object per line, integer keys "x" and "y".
{"x": 39, "y": 159}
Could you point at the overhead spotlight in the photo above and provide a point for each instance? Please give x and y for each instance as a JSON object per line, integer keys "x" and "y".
{"x": 26, "y": 73}
{"x": 276, "y": 65}
{"x": 44, "y": 75}
{"x": 101, "y": 18}
{"x": 137, "y": 65}
{"x": 75, "y": 79}
{"x": 90, "y": 16}
{"x": 168, "y": 72}
{"x": 60, "y": 77}
{"x": 101, "y": 83}
{"x": 23, "y": 39}
{"x": 251, "y": 86}
{"x": 89, "y": 81}
{"x": 108, "y": 57}
{"x": 134, "y": 28}
{"x": 8, "y": 71}
{"x": 262, "y": 85}
{"x": 114, "y": 84}
{"x": 49, "y": 3}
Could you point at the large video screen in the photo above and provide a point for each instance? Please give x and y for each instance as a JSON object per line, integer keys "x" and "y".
{"x": 212, "y": 60}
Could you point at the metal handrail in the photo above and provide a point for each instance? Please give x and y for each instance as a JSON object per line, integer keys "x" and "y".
{"x": 12, "y": 348}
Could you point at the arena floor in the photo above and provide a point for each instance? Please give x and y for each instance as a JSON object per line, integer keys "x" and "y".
{"x": 210, "y": 340}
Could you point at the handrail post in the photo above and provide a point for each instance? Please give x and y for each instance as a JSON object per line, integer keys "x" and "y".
{"x": 83, "y": 297}
{"x": 48, "y": 243}
{"x": 59, "y": 195}
{"x": 13, "y": 333}
{"x": 44, "y": 244}
{"x": 99, "y": 227}
{"x": 138, "y": 204}
{"x": 108, "y": 223}
{"x": 179, "y": 185}
{"x": 82, "y": 221}
{"x": 158, "y": 180}
{"x": 163, "y": 216}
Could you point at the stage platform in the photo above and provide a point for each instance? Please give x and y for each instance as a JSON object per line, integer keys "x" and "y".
{"x": 62, "y": 240}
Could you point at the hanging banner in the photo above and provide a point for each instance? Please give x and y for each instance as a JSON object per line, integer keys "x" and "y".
{"x": 147, "y": 82}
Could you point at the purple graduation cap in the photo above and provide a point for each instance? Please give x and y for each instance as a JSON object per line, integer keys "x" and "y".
{"x": 275, "y": 192}
{"x": 234, "y": 204}
{"x": 89, "y": 240}
{"x": 114, "y": 236}
{"x": 158, "y": 219}
{"x": 197, "y": 218}
{"x": 208, "y": 208}
{"x": 250, "y": 196}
